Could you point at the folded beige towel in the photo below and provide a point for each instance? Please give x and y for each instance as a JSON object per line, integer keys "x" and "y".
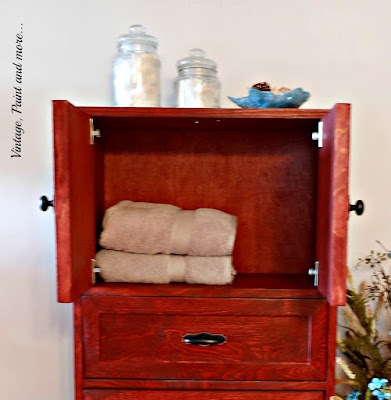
{"x": 119, "y": 266}
{"x": 150, "y": 228}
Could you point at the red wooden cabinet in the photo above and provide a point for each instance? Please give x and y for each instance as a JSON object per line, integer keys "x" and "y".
{"x": 189, "y": 395}
{"x": 291, "y": 200}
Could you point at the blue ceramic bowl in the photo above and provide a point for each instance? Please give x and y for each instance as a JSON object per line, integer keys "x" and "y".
{"x": 259, "y": 99}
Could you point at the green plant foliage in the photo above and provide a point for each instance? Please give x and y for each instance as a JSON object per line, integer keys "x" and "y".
{"x": 366, "y": 355}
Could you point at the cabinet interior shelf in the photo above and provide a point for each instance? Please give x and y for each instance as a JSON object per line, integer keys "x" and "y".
{"x": 245, "y": 285}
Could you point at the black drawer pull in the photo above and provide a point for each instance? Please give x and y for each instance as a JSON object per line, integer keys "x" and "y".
{"x": 204, "y": 339}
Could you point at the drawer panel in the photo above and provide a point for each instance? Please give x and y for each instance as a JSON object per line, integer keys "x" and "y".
{"x": 266, "y": 339}
{"x": 108, "y": 394}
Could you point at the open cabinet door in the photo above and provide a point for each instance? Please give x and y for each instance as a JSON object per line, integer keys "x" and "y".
{"x": 333, "y": 204}
{"x": 74, "y": 200}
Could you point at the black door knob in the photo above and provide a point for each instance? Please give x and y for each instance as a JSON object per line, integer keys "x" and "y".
{"x": 45, "y": 203}
{"x": 358, "y": 208}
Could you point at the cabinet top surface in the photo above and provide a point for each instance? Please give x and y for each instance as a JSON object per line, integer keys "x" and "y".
{"x": 164, "y": 112}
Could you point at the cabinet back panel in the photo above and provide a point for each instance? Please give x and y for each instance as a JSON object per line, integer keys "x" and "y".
{"x": 265, "y": 177}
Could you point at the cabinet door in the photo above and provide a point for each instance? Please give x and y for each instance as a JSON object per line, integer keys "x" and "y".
{"x": 333, "y": 204}
{"x": 74, "y": 200}
{"x": 118, "y": 394}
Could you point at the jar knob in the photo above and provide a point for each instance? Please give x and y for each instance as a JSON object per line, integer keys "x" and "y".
{"x": 137, "y": 29}
{"x": 197, "y": 53}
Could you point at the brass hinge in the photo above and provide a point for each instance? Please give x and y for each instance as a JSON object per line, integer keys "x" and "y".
{"x": 315, "y": 272}
{"x": 319, "y": 135}
{"x": 93, "y": 132}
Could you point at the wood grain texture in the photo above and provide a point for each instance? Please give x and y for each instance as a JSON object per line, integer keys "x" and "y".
{"x": 212, "y": 113}
{"x": 78, "y": 347}
{"x": 281, "y": 286}
{"x": 266, "y": 339}
{"x": 333, "y": 204}
{"x": 175, "y": 384}
{"x": 331, "y": 347}
{"x": 74, "y": 200}
{"x": 103, "y": 394}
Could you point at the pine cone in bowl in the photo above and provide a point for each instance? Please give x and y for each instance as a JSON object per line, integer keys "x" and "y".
{"x": 262, "y": 86}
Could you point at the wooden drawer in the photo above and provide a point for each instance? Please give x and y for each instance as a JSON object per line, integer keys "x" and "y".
{"x": 266, "y": 339}
{"x": 108, "y": 394}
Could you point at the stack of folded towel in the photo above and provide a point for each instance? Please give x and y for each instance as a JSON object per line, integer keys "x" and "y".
{"x": 161, "y": 243}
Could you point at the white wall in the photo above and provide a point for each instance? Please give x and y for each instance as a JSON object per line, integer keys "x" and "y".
{"x": 339, "y": 50}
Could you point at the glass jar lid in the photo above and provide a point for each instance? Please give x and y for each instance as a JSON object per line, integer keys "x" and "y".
{"x": 137, "y": 36}
{"x": 196, "y": 59}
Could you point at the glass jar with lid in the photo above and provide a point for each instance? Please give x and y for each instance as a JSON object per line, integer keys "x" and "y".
{"x": 197, "y": 84}
{"x": 136, "y": 70}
